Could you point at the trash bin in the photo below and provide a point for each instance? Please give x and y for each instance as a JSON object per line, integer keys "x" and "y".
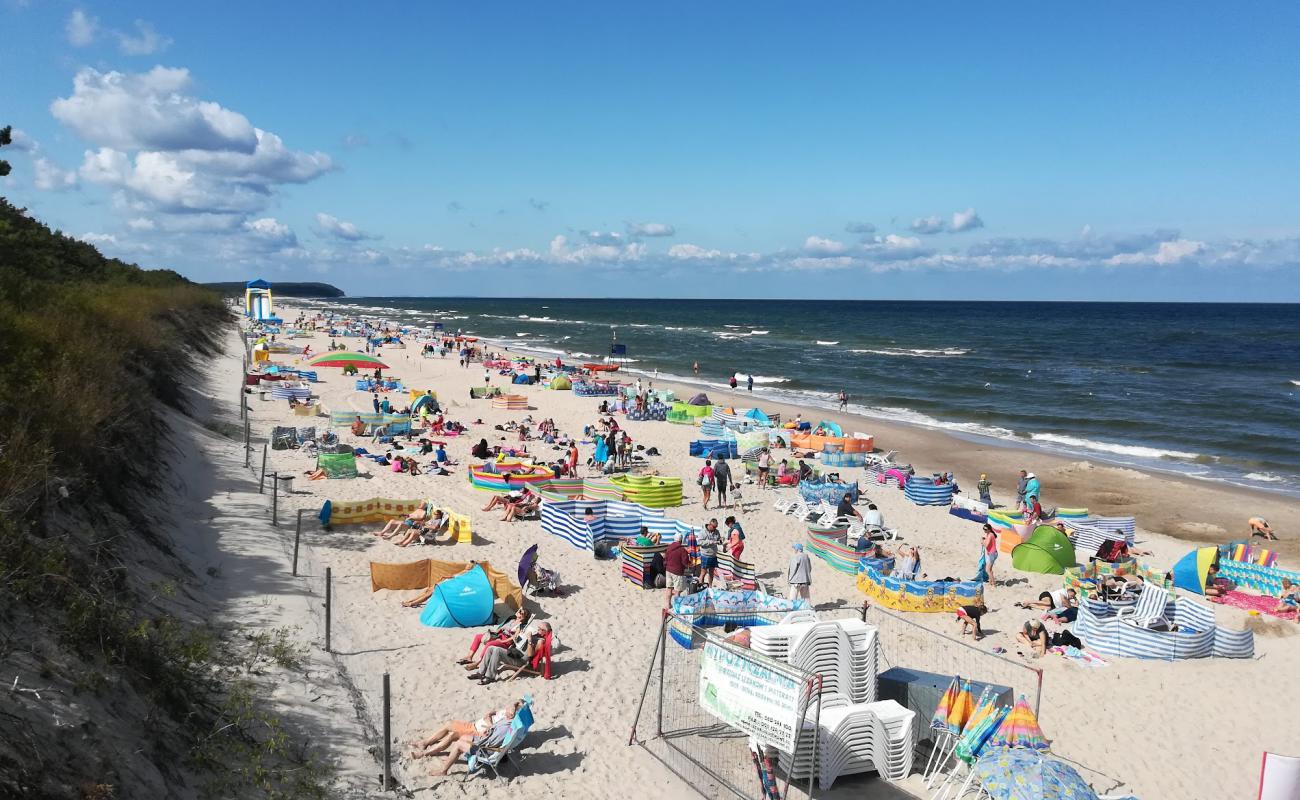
{"x": 286, "y": 483}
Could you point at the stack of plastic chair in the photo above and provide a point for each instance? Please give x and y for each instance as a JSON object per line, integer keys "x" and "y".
{"x": 843, "y": 652}
{"x": 853, "y": 738}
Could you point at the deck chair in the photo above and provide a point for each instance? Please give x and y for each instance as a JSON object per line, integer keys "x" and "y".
{"x": 483, "y": 760}
{"x": 784, "y": 505}
{"x": 540, "y": 664}
{"x": 882, "y": 460}
{"x": 1149, "y": 611}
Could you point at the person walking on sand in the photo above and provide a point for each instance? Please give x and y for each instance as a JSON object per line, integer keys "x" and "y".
{"x": 733, "y": 382}
{"x": 705, "y": 480}
{"x": 985, "y": 487}
{"x": 374, "y": 400}
{"x": 487, "y": 376}
{"x": 749, "y": 382}
{"x": 722, "y": 480}
{"x": 844, "y": 401}
{"x": 799, "y": 574}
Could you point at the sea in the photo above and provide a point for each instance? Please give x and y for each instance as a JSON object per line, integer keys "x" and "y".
{"x": 1207, "y": 390}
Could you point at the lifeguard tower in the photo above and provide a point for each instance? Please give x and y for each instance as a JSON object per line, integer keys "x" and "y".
{"x": 257, "y": 301}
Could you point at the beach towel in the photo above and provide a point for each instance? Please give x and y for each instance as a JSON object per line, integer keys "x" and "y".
{"x": 1254, "y": 602}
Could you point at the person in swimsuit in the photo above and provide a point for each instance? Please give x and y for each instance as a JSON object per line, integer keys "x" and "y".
{"x": 1034, "y": 635}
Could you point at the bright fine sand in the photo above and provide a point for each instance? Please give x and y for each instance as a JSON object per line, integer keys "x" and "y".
{"x": 1192, "y": 729}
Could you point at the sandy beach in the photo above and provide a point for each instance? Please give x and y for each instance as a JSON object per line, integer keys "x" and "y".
{"x": 1191, "y": 729}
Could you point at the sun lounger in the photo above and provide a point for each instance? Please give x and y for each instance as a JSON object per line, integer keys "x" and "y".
{"x": 485, "y": 760}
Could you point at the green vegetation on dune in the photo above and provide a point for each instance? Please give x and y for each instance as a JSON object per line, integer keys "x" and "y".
{"x": 134, "y": 694}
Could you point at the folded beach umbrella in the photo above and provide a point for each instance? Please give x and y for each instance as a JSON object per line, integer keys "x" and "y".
{"x": 1020, "y": 729}
{"x": 963, "y": 705}
{"x": 1192, "y": 569}
{"x": 1017, "y": 774}
{"x": 941, "y": 712}
{"x": 986, "y": 719}
{"x": 343, "y": 358}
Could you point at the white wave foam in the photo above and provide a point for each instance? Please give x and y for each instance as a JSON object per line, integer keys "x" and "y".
{"x": 743, "y": 376}
{"x": 759, "y": 333}
{"x": 1295, "y": 383}
{"x": 819, "y": 341}
{"x": 524, "y": 333}
{"x": 1137, "y": 451}
{"x": 1264, "y": 477}
{"x": 915, "y": 352}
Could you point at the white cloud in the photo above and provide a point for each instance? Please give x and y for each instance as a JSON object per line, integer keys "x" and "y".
{"x": 19, "y": 140}
{"x": 98, "y": 238}
{"x": 271, "y": 232}
{"x": 650, "y": 229}
{"x": 694, "y": 252}
{"x": 81, "y": 28}
{"x": 340, "y": 229}
{"x": 818, "y": 246}
{"x": 146, "y": 40}
{"x": 597, "y": 237}
{"x": 1168, "y": 252}
{"x": 50, "y": 178}
{"x": 162, "y": 149}
{"x": 927, "y": 225}
{"x": 141, "y": 224}
{"x": 148, "y": 111}
{"x": 561, "y": 252}
{"x": 966, "y": 220}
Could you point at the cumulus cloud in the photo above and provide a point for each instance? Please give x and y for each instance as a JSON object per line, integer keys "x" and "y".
{"x": 98, "y": 238}
{"x": 271, "y": 232}
{"x": 149, "y": 111}
{"x": 961, "y": 221}
{"x": 141, "y": 224}
{"x": 341, "y": 229}
{"x": 859, "y": 227}
{"x": 927, "y": 225}
{"x": 818, "y": 246}
{"x": 966, "y": 220}
{"x": 562, "y": 252}
{"x": 650, "y": 229}
{"x": 1168, "y": 252}
{"x": 81, "y": 28}
{"x": 162, "y": 149}
{"x": 145, "y": 41}
{"x": 597, "y": 237}
{"x": 20, "y": 140}
{"x": 49, "y": 177}
{"x": 694, "y": 252}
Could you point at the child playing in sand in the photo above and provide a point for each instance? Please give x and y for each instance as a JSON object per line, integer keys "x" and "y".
{"x": 1289, "y": 600}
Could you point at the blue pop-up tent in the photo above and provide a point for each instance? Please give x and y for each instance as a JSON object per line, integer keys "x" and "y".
{"x": 464, "y": 601}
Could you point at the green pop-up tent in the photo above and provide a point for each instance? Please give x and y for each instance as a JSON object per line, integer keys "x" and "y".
{"x": 1047, "y": 551}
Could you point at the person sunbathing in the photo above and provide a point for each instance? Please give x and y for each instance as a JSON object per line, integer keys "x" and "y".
{"x": 394, "y": 526}
{"x": 519, "y": 653}
{"x": 493, "y": 737}
{"x": 358, "y": 427}
{"x": 525, "y": 506}
{"x": 503, "y": 500}
{"x": 496, "y": 637}
{"x": 1054, "y": 600}
{"x": 444, "y": 737}
{"x": 424, "y": 595}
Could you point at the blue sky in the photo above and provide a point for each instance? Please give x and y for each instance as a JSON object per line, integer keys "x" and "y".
{"x": 953, "y": 150}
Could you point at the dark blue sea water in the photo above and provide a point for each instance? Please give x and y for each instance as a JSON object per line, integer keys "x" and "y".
{"x": 1207, "y": 390}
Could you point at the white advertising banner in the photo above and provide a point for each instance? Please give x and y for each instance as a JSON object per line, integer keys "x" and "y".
{"x": 747, "y": 695}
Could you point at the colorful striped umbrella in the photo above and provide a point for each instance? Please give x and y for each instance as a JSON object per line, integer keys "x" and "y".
{"x": 1015, "y": 774}
{"x": 1020, "y": 729}
{"x": 940, "y": 719}
{"x": 986, "y": 719}
{"x": 344, "y": 358}
{"x": 962, "y": 706}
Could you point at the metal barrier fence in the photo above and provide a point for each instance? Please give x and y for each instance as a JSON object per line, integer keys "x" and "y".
{"x": 904, "y": 643}
{"x": 714, "y": 757}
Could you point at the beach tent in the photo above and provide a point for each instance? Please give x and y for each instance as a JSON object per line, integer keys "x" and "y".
{"x": 337, "y": 465}
{"x": 1046, "y": 551}
{"x": 422, "y": 401}
{"x": 464, "y": 601}
{"x": 561, "y": 382}
{"x": 700, "y": 399}
{"x": 1191, "y": 570}
{"x": 463, "y": 593}
{"x": 522, "y": 378}
{"x": 831, "y": 427}
{"x": 758, "y": 416}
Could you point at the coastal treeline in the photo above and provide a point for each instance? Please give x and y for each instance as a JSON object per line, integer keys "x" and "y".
{"x": 116, "y": 685}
